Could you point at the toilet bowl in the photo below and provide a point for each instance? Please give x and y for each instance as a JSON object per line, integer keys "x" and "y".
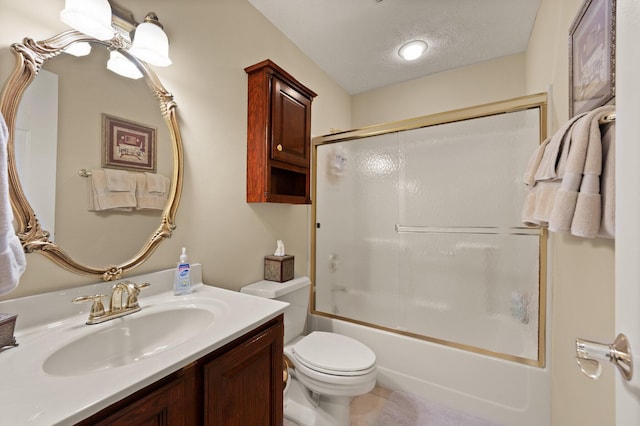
{"x": 326, "y": 370}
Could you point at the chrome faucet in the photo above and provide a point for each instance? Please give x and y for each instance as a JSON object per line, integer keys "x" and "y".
{"x": 117, "y": 309}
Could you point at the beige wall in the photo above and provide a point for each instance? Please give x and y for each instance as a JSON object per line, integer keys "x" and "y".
{"x": 582, "y": 270}
{"x": 489, "y": 81}
{"x": 211, "y": 44}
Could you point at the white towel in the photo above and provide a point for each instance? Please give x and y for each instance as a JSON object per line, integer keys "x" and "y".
{"x": 552, "y": 163}
{"x": 577, "y": 208}
{"x": 12, "y": 258}
{"x": 119, "y": 180}
{"x": 156, "y": 183}
{"x": 570, "y": 178}
{"x": 100, "y": 198}
{"x": 150, "y": 200}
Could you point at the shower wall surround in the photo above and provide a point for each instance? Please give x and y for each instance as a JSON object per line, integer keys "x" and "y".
{"x": 417, "y": 229}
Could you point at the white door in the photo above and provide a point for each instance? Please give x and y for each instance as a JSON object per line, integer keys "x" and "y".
{"x": 628, "y": 202}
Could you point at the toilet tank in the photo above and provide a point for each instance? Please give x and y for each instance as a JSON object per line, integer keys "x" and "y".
{"x": 295, "y": 292}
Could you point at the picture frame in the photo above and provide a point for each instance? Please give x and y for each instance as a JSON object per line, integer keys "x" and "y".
{"x": 592, "y": 56}
{"x": 128, "y": 145}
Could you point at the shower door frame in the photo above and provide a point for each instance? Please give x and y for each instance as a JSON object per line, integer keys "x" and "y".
{"x": 522, "y": 103}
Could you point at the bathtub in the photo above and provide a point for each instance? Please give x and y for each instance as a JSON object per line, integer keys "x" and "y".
{"x": 500, "y": 390}
{"x": 496, "y": 333}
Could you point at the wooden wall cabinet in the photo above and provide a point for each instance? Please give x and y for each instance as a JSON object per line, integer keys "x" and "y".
{"x": 239, "y": 384}
{"x": 278, "y": 136}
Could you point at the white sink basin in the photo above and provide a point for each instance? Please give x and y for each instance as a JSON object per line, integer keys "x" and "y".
{"x": 128, "y": 339}
{"x": 63, "y": 370}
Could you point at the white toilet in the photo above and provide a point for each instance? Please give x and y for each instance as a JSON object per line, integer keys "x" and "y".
{"x": 328, "y": 369}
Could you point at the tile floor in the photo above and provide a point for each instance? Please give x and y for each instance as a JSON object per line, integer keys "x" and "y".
{"x": 364, "y": 408}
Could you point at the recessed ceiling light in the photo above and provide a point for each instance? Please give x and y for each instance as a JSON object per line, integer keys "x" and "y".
{"x": 412, "y": 50}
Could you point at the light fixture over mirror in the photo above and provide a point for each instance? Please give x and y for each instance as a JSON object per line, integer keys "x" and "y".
{"x": 121, "y": 65}
{"x": 90, "y": 17}
{"x": 95, "y": 18}
{"x": 150, "y": 43}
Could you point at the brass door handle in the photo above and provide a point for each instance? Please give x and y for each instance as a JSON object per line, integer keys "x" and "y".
{"x": 279, "y": 147}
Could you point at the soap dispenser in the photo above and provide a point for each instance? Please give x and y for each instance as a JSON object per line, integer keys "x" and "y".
{"x": 182, "y": 281}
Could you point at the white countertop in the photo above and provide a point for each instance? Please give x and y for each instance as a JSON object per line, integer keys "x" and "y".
{"x": 30, "y": 396}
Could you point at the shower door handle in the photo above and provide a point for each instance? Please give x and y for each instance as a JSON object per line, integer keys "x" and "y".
{"x": 589, "y": 354}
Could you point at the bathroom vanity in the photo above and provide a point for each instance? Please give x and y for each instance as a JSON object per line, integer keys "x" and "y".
{"x": 238, "y": 384}
{"x": 210, "y": 357}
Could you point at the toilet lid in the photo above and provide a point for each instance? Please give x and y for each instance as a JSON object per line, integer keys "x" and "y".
{"x": 333, "y": 353}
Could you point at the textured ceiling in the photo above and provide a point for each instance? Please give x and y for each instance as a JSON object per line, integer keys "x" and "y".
{"x": 356, "y": 41}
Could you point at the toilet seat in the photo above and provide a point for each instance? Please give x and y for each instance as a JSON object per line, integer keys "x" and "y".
{"x": 334, "y": 354}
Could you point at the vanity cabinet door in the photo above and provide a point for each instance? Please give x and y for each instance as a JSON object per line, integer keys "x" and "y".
{"x": 170, "y": 403}
{"x": 243, "y": 386}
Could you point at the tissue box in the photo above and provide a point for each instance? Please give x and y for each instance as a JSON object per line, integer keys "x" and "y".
{"x": 7, "y": 326}
{"x": 278, "y": 268}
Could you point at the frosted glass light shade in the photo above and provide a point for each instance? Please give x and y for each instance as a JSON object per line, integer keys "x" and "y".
{"x": 91, "y": 17}
{"x": 150, "y": 43}
{"x": 121, "y": 65}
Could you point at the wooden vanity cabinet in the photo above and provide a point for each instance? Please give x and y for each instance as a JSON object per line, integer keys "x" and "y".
{"x": 278, "y": 136}
{"x": 239, "y": 384}
{"x": 171, "y": 401}
{"x": 243, "y": 385}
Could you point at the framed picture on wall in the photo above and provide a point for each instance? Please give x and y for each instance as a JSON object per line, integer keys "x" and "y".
{"x": 128, "y": 145}
{"x": 592, "y": 56}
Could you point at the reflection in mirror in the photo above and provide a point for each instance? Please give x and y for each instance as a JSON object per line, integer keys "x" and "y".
{"x": 86, "y": 91}
{"x": 35, "y": 144}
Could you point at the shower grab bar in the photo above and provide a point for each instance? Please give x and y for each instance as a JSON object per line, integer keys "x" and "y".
{"x": 482, "y": 230}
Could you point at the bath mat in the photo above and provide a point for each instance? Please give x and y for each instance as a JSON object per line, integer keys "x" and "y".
{"x": 404, "y": 409}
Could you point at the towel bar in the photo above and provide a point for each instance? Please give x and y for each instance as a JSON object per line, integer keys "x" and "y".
{"x": 468, "y": 230}
{"x": 609, "y": 118}
{"x": 84, "y": 173}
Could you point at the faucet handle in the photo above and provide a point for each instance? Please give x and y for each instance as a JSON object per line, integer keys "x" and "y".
{"x": 134, "y": 290}
{"x": 141, "y": 286}
{"x": 97, "y": 309}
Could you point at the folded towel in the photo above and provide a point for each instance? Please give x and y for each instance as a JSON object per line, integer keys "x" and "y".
{"x": 539, "y": 201}
{"x": 582, "y": 175}
{"x": 553, "y": 160}
{"x": 607, "y": 182}
{"x": 12, "y": 258}
{"x": 586, "y": 220}
{"x": 119, "y": 180}
{"x": 149, "y": 200}
{"x": 156, "y": 183}
{"x": 533, "y": 164}
{"x": 563, "y": 207}
{"x": 100, "y": 198}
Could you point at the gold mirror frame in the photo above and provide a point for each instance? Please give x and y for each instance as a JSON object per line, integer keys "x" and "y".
{"x": 30, "y": 57}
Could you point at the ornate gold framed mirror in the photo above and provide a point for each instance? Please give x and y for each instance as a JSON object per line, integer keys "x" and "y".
{"x": 31, "y": 57}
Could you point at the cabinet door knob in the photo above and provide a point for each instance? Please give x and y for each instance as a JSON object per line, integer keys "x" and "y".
{"x": 279, "y": 147}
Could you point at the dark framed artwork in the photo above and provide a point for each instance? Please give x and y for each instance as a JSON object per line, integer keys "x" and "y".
{"x": 592, "y": 47}
{"x": 128, "y": 145}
